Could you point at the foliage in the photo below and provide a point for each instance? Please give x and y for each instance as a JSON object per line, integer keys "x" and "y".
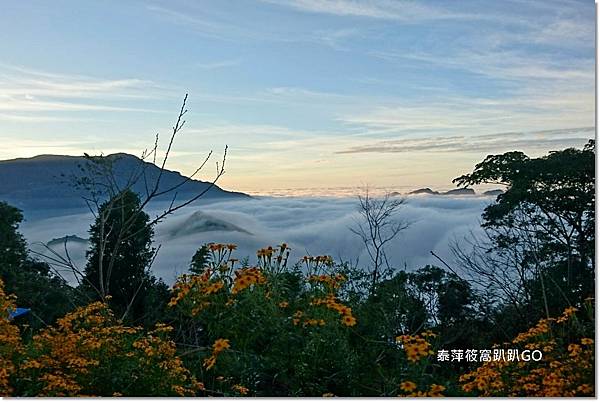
{"x": 36, "y": 287}
{"x": 271, "y": 317}
{"x": 90, "y": 353}
{"x": 567, "y": 368}
{"x": 555, "y": 194}
{"x": 540, "y": 249}
{"x": 10, "y": 342}
{"x": 119, "y": 259}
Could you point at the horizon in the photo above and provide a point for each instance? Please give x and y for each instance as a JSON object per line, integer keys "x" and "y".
{"x": 307, "y": 94}
{"x": 317, "y": 192}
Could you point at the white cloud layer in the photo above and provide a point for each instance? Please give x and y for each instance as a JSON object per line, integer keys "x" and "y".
{"x": 311, "y": 225}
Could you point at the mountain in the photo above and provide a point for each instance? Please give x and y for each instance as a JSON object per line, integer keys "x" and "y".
{"x": 495, "y": 192}
{"x": 60, "y": 241}
{"x": 460, "y": 191}
{"x": 426, "y": 190}
{"x": 200, "y": 222}
{"x": 457, "y": 191}
{"x": 46, "y": 181}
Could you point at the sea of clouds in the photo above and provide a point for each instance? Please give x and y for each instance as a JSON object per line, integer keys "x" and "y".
{"x": 309, "y": 225}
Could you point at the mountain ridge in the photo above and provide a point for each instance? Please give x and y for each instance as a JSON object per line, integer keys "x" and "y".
{"x": 48, "y": 180}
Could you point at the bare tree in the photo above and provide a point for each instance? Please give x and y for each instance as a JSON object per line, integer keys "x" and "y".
{"x": 505, "y": 273}
{"x": 103, "y": 186}
{"x": 378, "y": 225}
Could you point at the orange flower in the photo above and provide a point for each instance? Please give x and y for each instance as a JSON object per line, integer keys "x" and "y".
{"x": 220, "y": 345}
{"x": 210, "y": 362}
{"x": 408, "y": 386}
{"x": 348, "y": 321}
{"x": 240, "y": 389}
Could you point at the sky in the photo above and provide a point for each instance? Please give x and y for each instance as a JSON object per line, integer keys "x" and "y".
{"x": 307, "y": 94}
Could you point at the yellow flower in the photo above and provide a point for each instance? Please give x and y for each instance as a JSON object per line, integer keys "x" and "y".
{"x": 220, "y": 345}
{"x": 436, "y": 390}
{"x": 408, "y": 386}
{"x": 349, "y": 321}
{"x": 574, "y": 349}
{"x": 587, "y": 341}
{"x": 240, "y": 389}
{"x": 284, "y": 304}
{"x": 210, "y": 362}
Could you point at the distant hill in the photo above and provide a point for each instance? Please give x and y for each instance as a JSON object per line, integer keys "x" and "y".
{"x": 68, "y": 238}
{"x": 457, "y": 191}
{"x": 426, "y": 190}
{"x": 495, "y": 192}
{"x": 46, "y": 181}
{"x": 460, "y": 191}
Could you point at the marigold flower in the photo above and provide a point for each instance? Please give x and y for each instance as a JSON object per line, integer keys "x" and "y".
{"x": 436, "y": 390}
{"x": 210, "y": 362}
{"x": 408, "y": 386}
{"x": 220, "y": 345}
{"x": 348, "y": 321}
{"x": 240, "y": 389}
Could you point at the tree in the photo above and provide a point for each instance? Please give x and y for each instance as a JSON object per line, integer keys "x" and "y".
{"x": 33, "y": 282}
{"x": 13, "y": 250}
{"x": 377, "y": 227}
{"x": 120, "y": 255}
{"x": 104, "y": 191}
{"x": 540, "y": 231}
{"x": 200, "y": 260}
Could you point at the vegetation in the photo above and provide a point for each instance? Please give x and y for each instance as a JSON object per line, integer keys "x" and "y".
{"x": 318, "y": 327}
{"x": 119, "y": 259}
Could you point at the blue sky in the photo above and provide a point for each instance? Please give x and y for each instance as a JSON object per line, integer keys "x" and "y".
{"x": 306, "y": 93}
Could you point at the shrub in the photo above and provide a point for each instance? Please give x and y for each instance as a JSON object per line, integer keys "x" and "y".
{"x": 90, "y": 353}
{"x": 566, "y": 369}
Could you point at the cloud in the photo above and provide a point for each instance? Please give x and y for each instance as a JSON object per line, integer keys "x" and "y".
{"x": 538, "y": 140}
{"x": 26, "y": 90}
{"x": 213, "y": 26}
{"x": 527, "y": 110}
{"x": 503, "y": 64}
{"x": 311, "y": 225}
{"x": 379, "y": 9}
{"x": 215, "y": 65}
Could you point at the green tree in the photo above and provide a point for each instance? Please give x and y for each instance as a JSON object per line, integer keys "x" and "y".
{"x": 200, "y": 260}
{"x": 119, "y": 259}
{"x": 13, "y": 250}
{"x": 35, "y": 285}
{"x": 541, "y": 227}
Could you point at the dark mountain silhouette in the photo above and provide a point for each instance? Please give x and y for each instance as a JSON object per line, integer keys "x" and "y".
{"x": 494, "y": 192}
{"x": 426, "y": 190}
{"x": 457, "y": 191}
{"x": 460, "y": 191}
{"x": 47, "y": 181}
{"x": 60, "y": 241}
{"x": 200, "y": 222}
